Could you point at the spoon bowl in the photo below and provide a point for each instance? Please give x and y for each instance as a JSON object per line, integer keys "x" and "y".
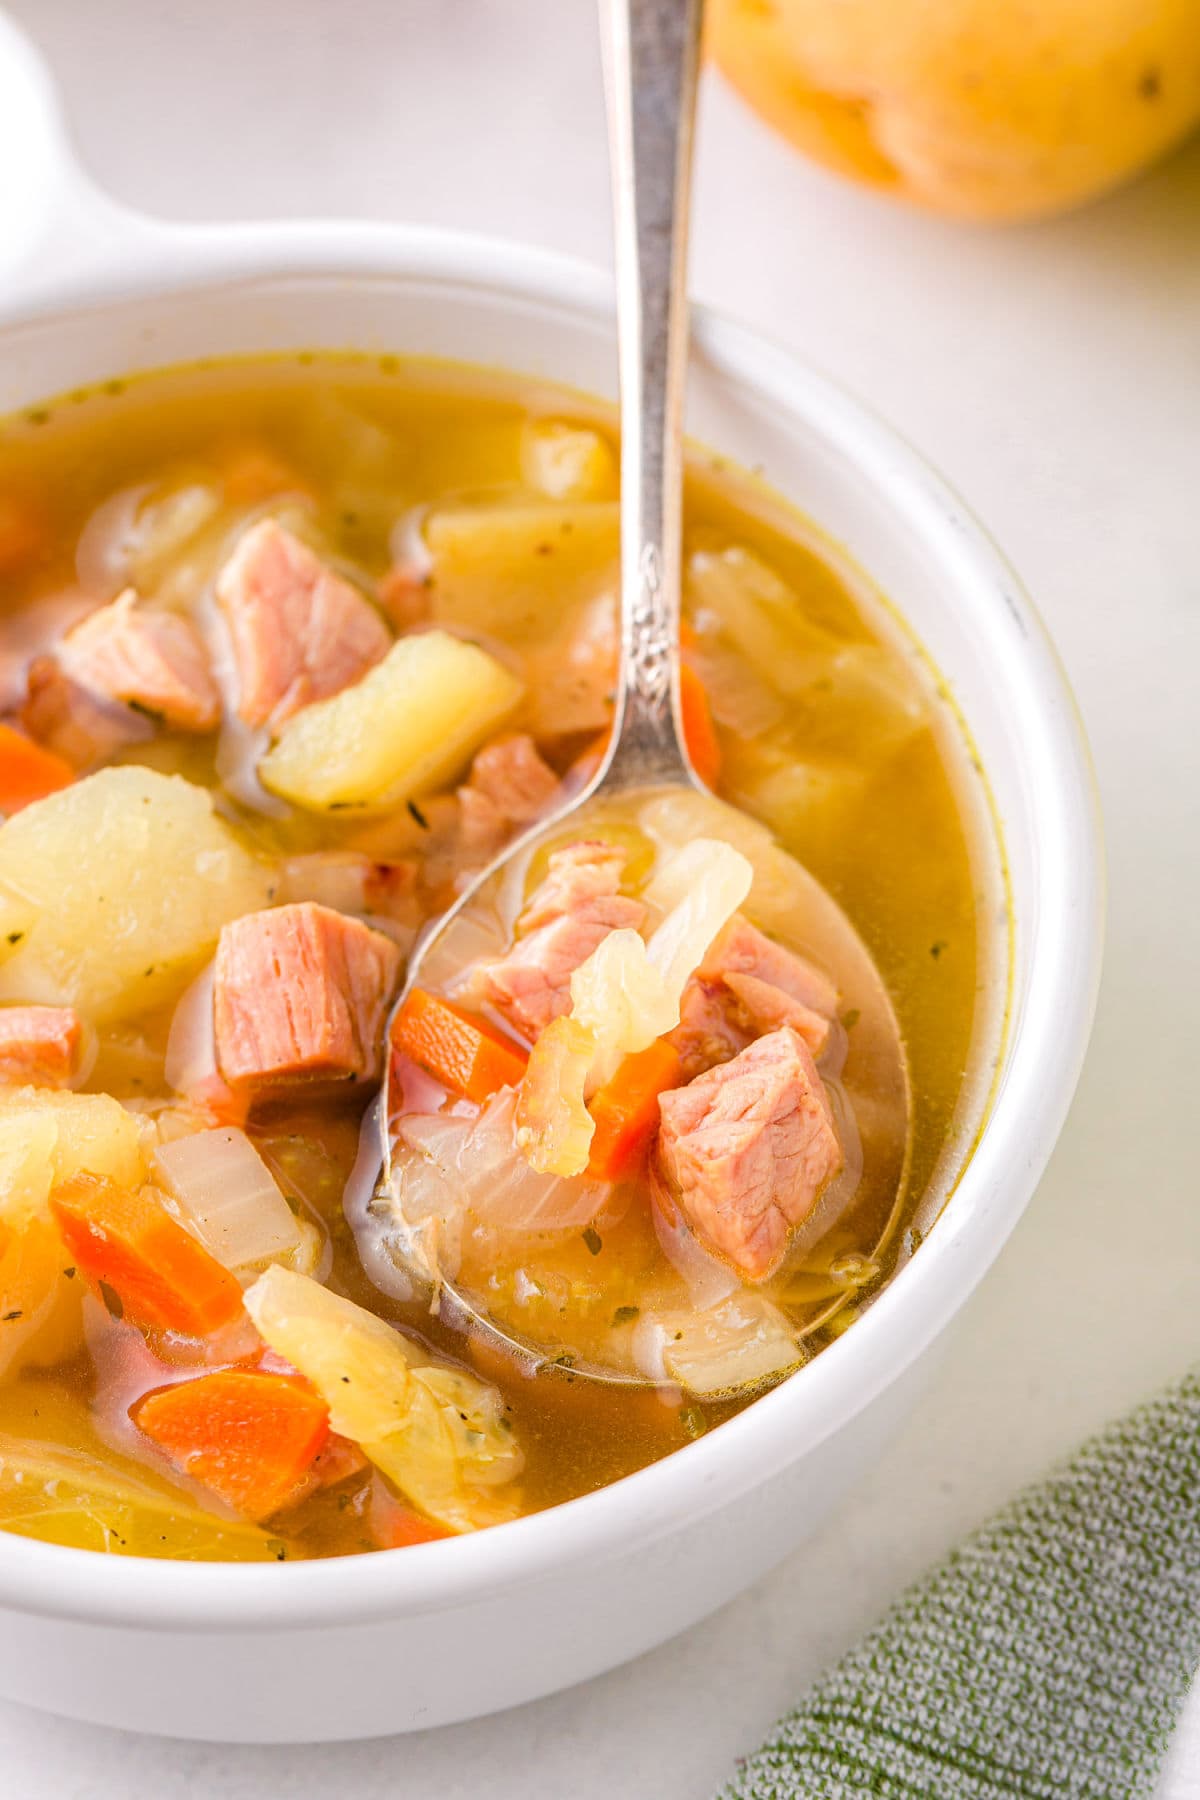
{"x": 866, "y": 1071}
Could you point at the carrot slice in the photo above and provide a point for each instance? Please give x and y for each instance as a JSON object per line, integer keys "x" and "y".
{"x": 700, "y": 733}
{"x": 461, "y": 1051}
{"x": 27, "y": 772}
{"x": 249, "y": 1436}
{"x": 125, "y": 1240}
{"x": 625, "y": 1109}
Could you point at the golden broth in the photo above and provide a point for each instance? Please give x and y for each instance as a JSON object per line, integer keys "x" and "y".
{"x": 832, "y": 730}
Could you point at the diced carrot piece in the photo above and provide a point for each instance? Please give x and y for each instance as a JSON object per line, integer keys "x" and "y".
{"x": 125, "y": 1240}
{"x": 253, "y": 473}
{"x": 461, "y": 1051}
{"x": 625, "y": 1109}
{"x": 395, "y": 1526}
{"x": 27, "y": 772}
{"x": 700, "y": 733}
{"x": 251, "y": 1437}
{"x": 23, "y": 532}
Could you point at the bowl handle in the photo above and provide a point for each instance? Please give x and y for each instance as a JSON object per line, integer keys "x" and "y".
{"x": 60, "y": 234}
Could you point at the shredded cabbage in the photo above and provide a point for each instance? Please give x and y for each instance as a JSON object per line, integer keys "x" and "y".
{"x": 473, "y": 1165}
{"x": 743, "y": 1342}
{"x": 625, "y": 995}
{"x": 439, "y": 1433}
{"x": 554, "y": 1128}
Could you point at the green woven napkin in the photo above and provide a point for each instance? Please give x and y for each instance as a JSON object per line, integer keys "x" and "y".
{"x": 1047, "y": 1659}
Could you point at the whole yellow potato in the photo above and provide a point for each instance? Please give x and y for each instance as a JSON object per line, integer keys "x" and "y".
{"x": 970, "y": 107}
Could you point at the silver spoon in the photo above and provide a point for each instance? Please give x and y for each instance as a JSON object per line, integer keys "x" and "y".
{"x": 652, "y": 64}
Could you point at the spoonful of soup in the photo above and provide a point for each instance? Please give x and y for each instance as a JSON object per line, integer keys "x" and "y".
{"x": 644, "y": 1065}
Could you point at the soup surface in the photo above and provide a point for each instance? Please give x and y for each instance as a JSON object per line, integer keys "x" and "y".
{"x": 288, "y": 650}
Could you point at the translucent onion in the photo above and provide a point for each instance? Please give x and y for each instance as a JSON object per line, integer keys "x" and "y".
{"x": 226, "y": 1191}
{"x": 191, "y": 1057}
{"x": 743, "y": 1342}
{"x": 699, "y": 888}
{"x": 103, "y": 555}
{"x": 473, "y": 1165}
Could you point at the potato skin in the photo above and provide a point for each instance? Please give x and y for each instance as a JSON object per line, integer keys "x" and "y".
{"x": 969, "y": 108}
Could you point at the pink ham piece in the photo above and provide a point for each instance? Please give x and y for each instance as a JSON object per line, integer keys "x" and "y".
{"x": 748, "y": 1147}
{"x": 300, "y": 633}
{"x": 39, "y": 1046}
{"x": 748, "y": 984}
{"x": 576, "y": 906}
{"x": 301, "y": 993}
{"x": 74, "y": 723}
{"x": 742, "y": 949}
{"x": 154, "y": 662}
{"x": 509, "y": 786}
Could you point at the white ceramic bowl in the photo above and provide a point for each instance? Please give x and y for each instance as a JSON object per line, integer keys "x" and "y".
{"x": 403, "y": 1639}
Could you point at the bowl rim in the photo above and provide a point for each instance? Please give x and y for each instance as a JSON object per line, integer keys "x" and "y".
{"x": 1041, "y": 1061}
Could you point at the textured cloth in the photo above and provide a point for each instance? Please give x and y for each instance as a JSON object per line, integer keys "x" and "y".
{"x": 1047, "y": 1659}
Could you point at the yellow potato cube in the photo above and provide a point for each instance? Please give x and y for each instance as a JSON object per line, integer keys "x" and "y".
{"x": 407, "y": 728}
{"x": 517, "y": 571}
{"x": 41, "y": 1306}
{"x": 127, "y": 878}
{"x": 47, "y": 1138}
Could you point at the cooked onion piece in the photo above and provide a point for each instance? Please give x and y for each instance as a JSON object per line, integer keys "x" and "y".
{"x": 225, "y": 1190}
{"x": 741, "y": 1342}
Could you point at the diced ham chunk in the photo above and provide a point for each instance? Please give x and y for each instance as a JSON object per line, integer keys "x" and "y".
{"x": 301, "y": 993}
{"x": 39, "y": 1045}
{"x": 742, "y": 949}
{"x": 711, "y": 1028}
{"x": 155, "y": 662}
{"x": 509, "y": 786}
{"x": 769, "y": 1007}
{"x": 353, "y": 883}
{"x": 748, "y": 1147}
{"x": 576, "y": 906}
{"x": 74, "y": 723}
{"x": 746, "y": 985}
{"x": 300, "y": 633}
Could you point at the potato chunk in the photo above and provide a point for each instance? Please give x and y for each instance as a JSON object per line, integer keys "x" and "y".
{"x": 41, "y": 1316}
{"x": 124, "y": 881}
{"x": 516, "y": 571}
{"x": 48, "y": 1138}
{"x": 408, "y": 727}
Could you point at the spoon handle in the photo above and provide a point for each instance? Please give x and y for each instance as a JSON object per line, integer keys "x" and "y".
{"x": 652, "y": 54}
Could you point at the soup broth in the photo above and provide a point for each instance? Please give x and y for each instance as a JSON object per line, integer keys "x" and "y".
{"x": 447, "y": 539}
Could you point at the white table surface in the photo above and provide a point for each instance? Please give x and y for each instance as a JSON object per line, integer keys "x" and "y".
{"x": 1053, "y": 373}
